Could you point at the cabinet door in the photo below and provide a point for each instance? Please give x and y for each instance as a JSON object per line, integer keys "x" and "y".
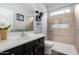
{"x": 17, "y": 51}
{"x": 28, "y": 47}
{"x": 36, "y": 43}
{"x": 39, "y": 50}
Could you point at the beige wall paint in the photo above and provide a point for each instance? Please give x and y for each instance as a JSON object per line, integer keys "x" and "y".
{"x": 66, "y": 35}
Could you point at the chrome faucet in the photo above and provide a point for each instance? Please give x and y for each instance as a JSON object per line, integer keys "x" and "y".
{"x": 22, "y": 34}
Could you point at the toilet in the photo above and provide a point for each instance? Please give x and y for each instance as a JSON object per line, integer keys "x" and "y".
{"x": 48, "y": 47}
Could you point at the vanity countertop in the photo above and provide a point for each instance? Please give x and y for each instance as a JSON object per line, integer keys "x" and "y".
{"x": 14, "y": 40}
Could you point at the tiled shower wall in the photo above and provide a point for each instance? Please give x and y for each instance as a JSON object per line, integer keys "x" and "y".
{"x": 64, "y": 35}
{"x": 76, "y": 41}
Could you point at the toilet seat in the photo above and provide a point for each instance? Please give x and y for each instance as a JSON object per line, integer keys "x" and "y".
{"x": 48, "y": 43}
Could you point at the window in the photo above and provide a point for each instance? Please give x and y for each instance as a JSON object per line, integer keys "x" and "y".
{"x": 60, "y": 12}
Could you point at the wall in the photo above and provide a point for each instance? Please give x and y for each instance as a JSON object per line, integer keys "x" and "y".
{"x": 40, "y": 7}
{"x": 66, "y": 35}
{"x": 21, "y": 8}
{"x": 76, "y": 41}
{"x": 55, "y": 6}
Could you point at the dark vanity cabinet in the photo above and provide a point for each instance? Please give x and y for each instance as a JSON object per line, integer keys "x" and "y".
{"x": 14, "y": 51}
{"x": 28, "y": 48}
{"x": 35, "y": 47}
{"x": 17, "y": 50}
{"x": 39, "y": 49}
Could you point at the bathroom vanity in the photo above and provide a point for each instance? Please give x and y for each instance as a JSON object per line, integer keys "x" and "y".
{"x": 30, "y": 44}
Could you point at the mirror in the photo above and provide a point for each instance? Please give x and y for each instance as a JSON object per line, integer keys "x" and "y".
{"x": 16, "y": 25}
{"x": 6, "y": 17}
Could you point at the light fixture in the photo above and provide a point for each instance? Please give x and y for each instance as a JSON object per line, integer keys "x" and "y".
{"x": 60, "y": 12}
{"x": 55, "y": 13}
{"x": 52, "y": 14}
{"x": 67, "y": 10}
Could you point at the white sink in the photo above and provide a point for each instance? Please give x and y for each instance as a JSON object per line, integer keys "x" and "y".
{"x": 30, "y": 35}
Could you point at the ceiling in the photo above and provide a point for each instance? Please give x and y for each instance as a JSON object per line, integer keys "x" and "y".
{"x": 53, "y": 6}
{"x": 49, "y": 6}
